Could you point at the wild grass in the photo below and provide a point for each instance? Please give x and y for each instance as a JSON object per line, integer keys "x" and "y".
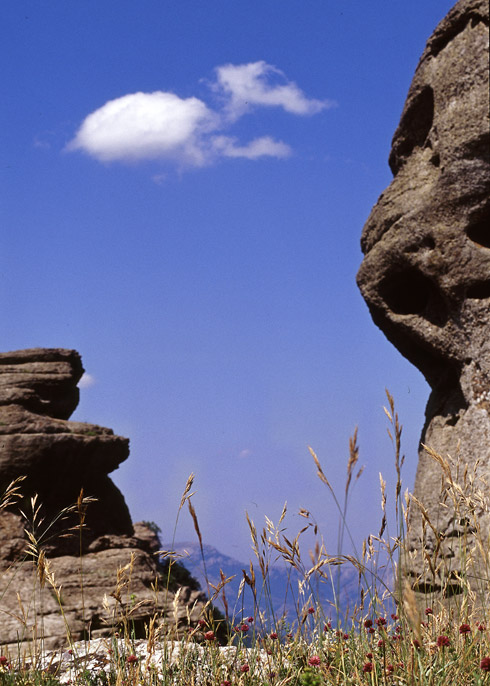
{"x": 394, "y": 634}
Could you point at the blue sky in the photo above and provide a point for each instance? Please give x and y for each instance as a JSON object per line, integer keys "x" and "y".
{"x": 183, "y": 189}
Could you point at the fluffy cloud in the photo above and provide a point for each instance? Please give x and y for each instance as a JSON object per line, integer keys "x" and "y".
{"x": 250, "y": 84}
{"x": 86, "y": 381}
{"x": 143, "y": 126}
{"x": 161, "y": 125}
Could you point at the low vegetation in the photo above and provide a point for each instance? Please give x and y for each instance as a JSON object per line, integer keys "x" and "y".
{"x": 389, "y": 637}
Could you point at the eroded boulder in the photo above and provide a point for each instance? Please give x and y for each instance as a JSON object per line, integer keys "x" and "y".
{"x": 426, "y": 274}
{"x": 104, "y": 566}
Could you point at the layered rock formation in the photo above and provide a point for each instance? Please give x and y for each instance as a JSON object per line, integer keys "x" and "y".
{"x": 60, "y": 459}
{"x": 426, "y": 275}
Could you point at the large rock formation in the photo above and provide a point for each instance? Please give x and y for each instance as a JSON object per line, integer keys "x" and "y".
{"x": 59, "y": 458}
{"x": 426, "y": 274}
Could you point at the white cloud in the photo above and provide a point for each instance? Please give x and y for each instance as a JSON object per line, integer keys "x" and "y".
{"x": 250, "y": 84}
{"x": 163, "y": 126}
{"x": 145, "y": 126}
{"x": 244, "y": 454}
{"x": 86, "y": 381}
{"x": 259, "y": 147}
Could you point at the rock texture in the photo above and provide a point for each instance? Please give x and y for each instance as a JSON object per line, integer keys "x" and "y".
{"x": 426, "y": 271}
{"x": 59, "y": 458}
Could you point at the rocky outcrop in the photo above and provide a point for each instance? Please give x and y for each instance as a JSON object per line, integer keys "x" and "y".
{"x": 85, "y": 544}
{"x": 426, "y": 273}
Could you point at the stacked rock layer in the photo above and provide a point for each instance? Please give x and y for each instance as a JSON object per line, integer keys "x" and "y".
{"x": 426, "y": 279}
{"x": 59, "y": 460}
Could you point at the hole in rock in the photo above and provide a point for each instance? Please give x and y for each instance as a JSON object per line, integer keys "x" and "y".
{"x": 479, "y": 291}
{"x": 479, "y": 232}
{"x": 414, "y": 127}
{"x": 406, "y": 291}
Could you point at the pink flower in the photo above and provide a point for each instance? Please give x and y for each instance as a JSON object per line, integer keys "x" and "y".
{"x": 464, "y": 629}
{"x": 3, "y": 660}
{"x": 485, "y": 664}
{"x": 209, "y": 636}
{"x": 381, "y": 621}
{"x": 367, "y": 667}
{"x": 394, "y": 617}
{"x": 442, "y": 641}
{"x": 368, "y": 623}
{"x": 428, "y": 611}
{"x": 250, "y": 620}
{"x": 244, "y": 628}
{"x": 273, "y": 635}
{"x": 311, "y": 610}
{"x": 244, "y": 668}
{"x": 314, "y": 661}
{"x": 225, "y": 683}
{"x": 131, "y": 659}
{"x": 481, "y": 627}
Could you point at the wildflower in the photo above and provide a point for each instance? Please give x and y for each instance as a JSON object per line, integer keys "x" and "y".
{"x": 244, "y": 668}
{"x": 225, "y": 683}
{"x": 390, "y": 669}
{"x": 273, "y": 635}
{"x": 371, "y": 630}
{"x": 289, "y": 636}
{"x": 464, "y": 629}
{"x": 131, "y": 659}
{"x": 209, "y": 636}
{"x": 3, "y": 660}
{"x": 250, "y": 620}
{"x": 381, "y": 643}
{"x": 416, "y": 643}
{"x": 327, "y": 626}
{"x": 369, "y": 656}
{"x": 481, "y": 627}
{"x": 311, "y": 610}
{"x": 314, "y": 661}
{"x": 428, "y": 611}
{"x": 381, "y": 621}
{"x": 367, "y": 667}
{"x": 394, "y": 617}
{"x": 368, "y": 623}
{"x": 442, "y": 641}
{"x": 485, "y": 664}
{"x": 244, "y": 628}
{"x": 345, "y": 636}
{"x": 201, "y": 622}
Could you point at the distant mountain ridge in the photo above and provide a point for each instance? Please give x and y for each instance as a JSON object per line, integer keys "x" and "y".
{"x": 280, "y": 597}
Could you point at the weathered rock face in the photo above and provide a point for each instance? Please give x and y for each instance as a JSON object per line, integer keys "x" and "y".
{"x": 59, "y": 458}
{"x": 38, "y": 391}
{"x": 426, "y": 271}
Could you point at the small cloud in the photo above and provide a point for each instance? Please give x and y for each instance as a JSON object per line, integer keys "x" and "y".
{"x": 42, "y": 140}
{"x": 251, "y": 84}
{"x": 159, "y": 179}
{"x": 244, "y": 454}
{"x": 145, "y": 126}
{"x": 86, "y": 381}
{"x": 259, "y": 147}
